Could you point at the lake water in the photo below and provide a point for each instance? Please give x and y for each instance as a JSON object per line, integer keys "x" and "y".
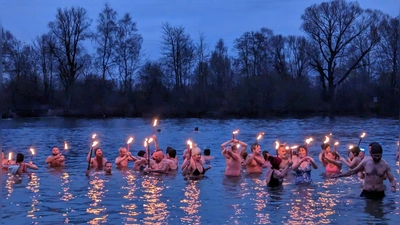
{"x": 69, "y": 197}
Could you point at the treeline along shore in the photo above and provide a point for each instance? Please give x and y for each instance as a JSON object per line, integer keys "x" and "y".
{"x": 346, "y": 62}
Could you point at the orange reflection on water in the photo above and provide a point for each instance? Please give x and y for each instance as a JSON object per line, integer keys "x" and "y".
{"x": 65, "y": 187}
{"x": 132, "y": 208}
{"x": 193, "y": 201}
{"x": 33, "y": 186}
{"x": 96, "y": 193}
{"x": 260, "y": 201}
{"x": 155, "y": 210}
{"x": 9, "y": 185}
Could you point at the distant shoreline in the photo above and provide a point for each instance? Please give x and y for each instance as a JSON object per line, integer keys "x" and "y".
{"x": 207, "y": 115}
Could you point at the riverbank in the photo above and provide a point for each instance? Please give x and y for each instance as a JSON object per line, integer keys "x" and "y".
{"x": 220, "y": 114}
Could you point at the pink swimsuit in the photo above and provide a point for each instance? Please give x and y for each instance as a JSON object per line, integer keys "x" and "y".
{"x": 332, "y": 169}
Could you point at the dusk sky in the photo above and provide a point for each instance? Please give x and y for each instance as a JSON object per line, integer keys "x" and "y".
{"x": 227, "y": 19}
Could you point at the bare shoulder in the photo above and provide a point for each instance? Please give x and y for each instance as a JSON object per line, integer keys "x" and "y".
{"x": 385, "y": 163}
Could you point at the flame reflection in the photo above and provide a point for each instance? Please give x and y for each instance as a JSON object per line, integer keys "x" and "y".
{"x": 260, "y": 201}
{"x": 192, "y": 199}
{"x": 131, "y": 208}
{"x": 155, "y": 209}
{"x": 9, "y": 185}
{"x": 65, "y": 187}
{"x": 33, "y": 186}
{"x": 96, "y": 193}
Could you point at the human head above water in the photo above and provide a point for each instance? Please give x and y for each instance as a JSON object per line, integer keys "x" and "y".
{"x": 207, "y": 152}
{"x": 20, "y": 158}
{"x": 355, "y": 150}
{"x": 324, "y": 146}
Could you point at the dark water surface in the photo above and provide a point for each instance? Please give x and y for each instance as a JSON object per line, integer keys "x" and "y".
{"x": 68, "y": 197}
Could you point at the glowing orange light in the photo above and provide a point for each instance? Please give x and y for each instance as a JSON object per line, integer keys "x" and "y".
{"x": 129, "y": 140}
{"x": 189, "y": 142}
{"x": 326, "y": 139}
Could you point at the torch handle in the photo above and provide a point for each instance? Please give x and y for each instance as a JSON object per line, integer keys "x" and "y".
{"x": 148, "y": 155}
{"x": 90, "y": 158}
{"x": 359, "y": 142}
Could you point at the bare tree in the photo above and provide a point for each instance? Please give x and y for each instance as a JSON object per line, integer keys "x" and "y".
{"x": 178, "y": 51}
{"x": 333, "y": 28}
{"x": 298, "y": 60}
{"x": 46, "y": 63}
{"x": 388, "y": 49}
{"x": 253, "y": 52}
{"x": 70, "y": 28}
{"x": 127, "y": 53}
{"x": 105, "y": 40}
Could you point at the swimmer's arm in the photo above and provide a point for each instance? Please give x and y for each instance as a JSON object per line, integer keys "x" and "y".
{"x": 205, "y": 169}
{"x": 32, "y": 166}
{"x": 249, "y": 159}
{"x": 297, "y": 162}
{"x": 243, "y": 149}
{"x": 335, "y": 162}
{"x": 313, "y": 164}
{"x": 355, "y": 170}
{"x": 391, "y": 178}
{"x": 224, "y": 144}
{"x": 260, "y": 161}
{"x": 349, "y": 164}
{"x": 281, "y": 174}
{"x": 156, "y": 142}
{"x": 320, "y": 156}
{"x": 233, "y": 155}
{"x": 50, "y": 159}
{"x": 88, "y": 159}
{"x": 131, "y": 157}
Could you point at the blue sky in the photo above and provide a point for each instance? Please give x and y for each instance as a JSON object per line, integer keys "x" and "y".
{"x": 227, "y": 19}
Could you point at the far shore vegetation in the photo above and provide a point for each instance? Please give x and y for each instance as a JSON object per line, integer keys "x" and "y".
{"x": 347, "y": 62}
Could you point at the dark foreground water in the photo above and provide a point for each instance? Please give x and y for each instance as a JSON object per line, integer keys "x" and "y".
{"x": 69, "y": 197}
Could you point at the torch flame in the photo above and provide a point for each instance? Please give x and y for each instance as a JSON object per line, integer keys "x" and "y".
{"x": 94, "y": 136}
{"x": 294, "y": 147}
{"x": 235, "y": 132}
{"x": 287, "y": 147}
{"x": 276, "y": 144}
{"x": 130, "y": 140}
{"x": 309, "y": 140}
{"x": 9, "y": 155}
{"x": 326, "y": 139}
{"x": 260, "y": 135}
{"x": 350, "y": 147}
{"x": 65, "y": 145}
{"x": 32, "y": 151}
{"x": 363, "y": 135}
{"x": 155, "y": 123}
{"x": 336, "y": 143}
{"x": 189, "y": 142}
{"x": 150, "y": 140}
{"x": 238, "y": 146}
{"x": 145, "y": 143}
{"x": 95, "y": 143}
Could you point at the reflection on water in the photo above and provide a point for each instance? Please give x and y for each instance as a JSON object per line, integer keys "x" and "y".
{"x": 130, "y": 197}
{"x": 260, "y": 201}
{"x": 96, "y": 193}
{"x": 67, "y": 196}
{"x": 302, "y": 205}
{"x": 193, "y": 202}
{"x": 33, "y": 186}
{"x": 155, "y": 210}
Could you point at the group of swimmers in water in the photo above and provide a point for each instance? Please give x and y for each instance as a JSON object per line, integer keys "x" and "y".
{"x": 372, "y": 169}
